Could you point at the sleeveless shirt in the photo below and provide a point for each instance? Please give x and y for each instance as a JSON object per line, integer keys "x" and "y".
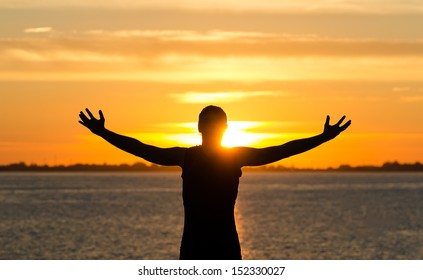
{"x": 209, "y": 191}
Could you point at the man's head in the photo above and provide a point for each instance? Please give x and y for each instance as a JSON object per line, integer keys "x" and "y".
{"x": 212, "y": 122}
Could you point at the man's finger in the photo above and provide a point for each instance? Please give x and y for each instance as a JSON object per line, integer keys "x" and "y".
{"x": 340, "y": 121}
{"x": 83, "y": 117}
{"x": 346, "y": 125}
{"x": 83, "y": 123}
{"x": 327, "y": 120}
{"x": 89, "y": 113}
{"x": 101, "y": 115}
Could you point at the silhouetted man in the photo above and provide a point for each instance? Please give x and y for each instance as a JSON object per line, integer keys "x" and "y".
{"x": 210, "y": 175}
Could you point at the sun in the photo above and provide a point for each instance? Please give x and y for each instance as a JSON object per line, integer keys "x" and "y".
{"x": 237, "y": 134}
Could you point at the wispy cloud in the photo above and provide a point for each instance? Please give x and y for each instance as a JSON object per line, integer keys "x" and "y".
{"x": 401, "y": 89}
{"x": 61, "y": 55}
{"x": 411, "y": 98}
{"x": 153, "y": 43}
{"x": 358, "y": 6}
{"x": 220, "y": 97}
{"x": 184, "y": 35}
{"x": 38, "y": 30}
{"x": 216, "y": 55}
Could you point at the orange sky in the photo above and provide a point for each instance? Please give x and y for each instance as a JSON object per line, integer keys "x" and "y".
{"x": 276, "y": 68}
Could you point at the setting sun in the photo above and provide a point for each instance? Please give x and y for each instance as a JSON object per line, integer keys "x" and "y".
{"x": 238, "y": 133}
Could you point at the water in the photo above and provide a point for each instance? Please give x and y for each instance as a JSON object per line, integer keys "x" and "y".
{"x": 279, "y": 215}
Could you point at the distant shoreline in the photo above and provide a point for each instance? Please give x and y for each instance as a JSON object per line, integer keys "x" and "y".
{"x": 141, "y": 167}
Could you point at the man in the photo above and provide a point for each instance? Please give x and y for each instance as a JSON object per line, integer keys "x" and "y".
{"x": 210, "y": 175}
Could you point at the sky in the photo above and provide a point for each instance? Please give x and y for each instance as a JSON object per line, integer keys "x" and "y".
{"x": 276, "y": 67}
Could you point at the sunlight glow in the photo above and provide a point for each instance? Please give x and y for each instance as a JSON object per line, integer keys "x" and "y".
{"x": 237, "y": 134}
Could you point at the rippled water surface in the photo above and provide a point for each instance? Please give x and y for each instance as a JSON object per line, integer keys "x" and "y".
{"x": 279, "y": 215}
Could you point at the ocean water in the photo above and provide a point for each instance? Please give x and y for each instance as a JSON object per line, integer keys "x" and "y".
{"x": 279, "y": 215}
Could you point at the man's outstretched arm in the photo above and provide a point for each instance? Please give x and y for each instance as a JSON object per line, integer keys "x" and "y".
{"x": 255, "y": 157}
{"x": 156, "y": 155}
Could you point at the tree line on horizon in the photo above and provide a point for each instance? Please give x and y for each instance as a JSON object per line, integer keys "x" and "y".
{"x": 139, "y": 166}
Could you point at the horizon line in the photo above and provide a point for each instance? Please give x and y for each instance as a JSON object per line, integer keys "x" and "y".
{"x": 140, "y": 166}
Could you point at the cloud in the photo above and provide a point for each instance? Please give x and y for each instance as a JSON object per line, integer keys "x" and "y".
{"x": 304, "y": 6}
{"x": 220, "y": 97}
{"x": 154, "y": 43}
{"x": 61, "y": 56}
{"x": 220, "y": 42}
{"x": 217, "y": 55}
{"x": 411, "y": 98}
{"x": 186, "y": 35}
{"x": 38, "y": 30}
{"x": 401, "y": 89}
